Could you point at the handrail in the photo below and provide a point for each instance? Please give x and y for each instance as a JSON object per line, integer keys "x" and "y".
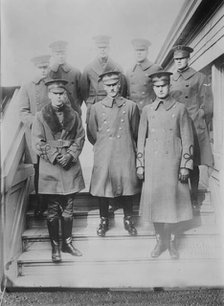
{"x": 15, "y": 186}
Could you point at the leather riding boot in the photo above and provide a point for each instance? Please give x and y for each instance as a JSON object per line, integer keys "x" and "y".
{"x": 68, "y": 247}
{"x": 103, "y": 227}
{"x": 53, "y": 228}
{"x": 172, "y": 248}
{"x": 66, "y": 229}
{"x": 159, "y": 248}
{"x": 129, "y": 226}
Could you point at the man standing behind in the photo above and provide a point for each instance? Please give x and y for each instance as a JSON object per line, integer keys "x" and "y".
{"x": 139, "y": 87}
{"x": 113, "y": 127}
{"x": 92, "y": 86}
{"x": 193, "y": 90}
{"x": 61, "y": 70}
{"x": 31, "y": 98}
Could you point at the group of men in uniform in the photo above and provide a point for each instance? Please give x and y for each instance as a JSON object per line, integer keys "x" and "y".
{"x": 50, "y": 105}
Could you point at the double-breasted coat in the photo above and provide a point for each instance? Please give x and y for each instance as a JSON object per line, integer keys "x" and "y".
{"x": 165, "y": 144}
{"x": 31, "y": 98}
{"x": 193, "y": 90}
{"x": 139, "y": 85}
{"x": 49, "y": 138}
{"x": 113, "y": 126}
{"x": 73, "y": 88}
{"x": 92, "y": 86}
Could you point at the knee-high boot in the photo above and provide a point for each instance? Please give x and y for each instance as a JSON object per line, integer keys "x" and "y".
{"x": 66, "y": 229}
{"x": 53, "y": 229}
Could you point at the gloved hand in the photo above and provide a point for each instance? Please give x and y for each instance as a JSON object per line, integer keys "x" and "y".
{"x": 140, "y": 173}
{"x": 64, "y": 159}
{"x": 184, "y": 175}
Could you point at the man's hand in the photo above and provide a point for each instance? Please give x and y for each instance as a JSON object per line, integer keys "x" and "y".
{"x": 184, "y": 175}
{"x": 64, "y": 160}
{"x": 140, "y": 173}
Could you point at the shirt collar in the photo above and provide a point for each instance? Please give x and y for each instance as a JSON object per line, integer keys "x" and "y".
{"x": 38, "y": 79}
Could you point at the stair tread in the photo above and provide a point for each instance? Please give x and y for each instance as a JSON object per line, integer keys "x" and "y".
{"x": 130, "y": 248}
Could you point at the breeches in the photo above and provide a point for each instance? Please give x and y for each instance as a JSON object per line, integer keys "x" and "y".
{"x": 59, "y": 206}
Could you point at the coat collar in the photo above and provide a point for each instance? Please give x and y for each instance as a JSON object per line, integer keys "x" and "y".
{"x": 52, "y": 121}
{"x": 146, "y": 64}
{"x": 168, "y": 103}
{"x": 38, "y": 79}
{"x": 64, "y": 67}
{"x": 99, "y": 69}
{"x": 186, "y": 74}
{"x": 108, "y": 101}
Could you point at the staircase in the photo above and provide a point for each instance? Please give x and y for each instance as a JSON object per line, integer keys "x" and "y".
{"x": 119, "y": 261}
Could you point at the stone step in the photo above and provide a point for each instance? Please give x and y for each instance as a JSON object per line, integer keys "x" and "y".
{"x": 120, "y": 261}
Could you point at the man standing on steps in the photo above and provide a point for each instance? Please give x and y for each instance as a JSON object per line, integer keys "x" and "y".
{"x": 139, "y": 86}
{"x": 164, "y": 159}
{"x": 60, "y": 69}
{"x": 31, "y": 98}
{"x": 58, "y": 138}
{"x": 112, "y": 129}
{"x": 193, "y": 89}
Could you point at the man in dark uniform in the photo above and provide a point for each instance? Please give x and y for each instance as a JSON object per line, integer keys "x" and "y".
{"x": 31, "y": 98}
{"x": 92, "y": 86}
{"x": 193, "y": 89}
{"x": 113, "y": 128}
{"x": 139, "y": 86}
{"x": 58, "y": 138}
{"x": 60, "y": 69}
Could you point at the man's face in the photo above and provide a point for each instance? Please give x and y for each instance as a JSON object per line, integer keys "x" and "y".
{"x": 102, "y": 51}
{"x": 181, "y": 62}
{"x": 57, "y": 99}
{"x": 112, "y": 89}
{"x": 141, "y": 55}
{"x": 59, "y": 57}
{"x": 161, "y": 90}
{"x": 43, "y": 70}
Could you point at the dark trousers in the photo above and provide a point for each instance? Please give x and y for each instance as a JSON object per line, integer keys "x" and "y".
{"x": 194, "y": 179}
{"x": 59, "y": 206}
{"x": 124, "y": 201}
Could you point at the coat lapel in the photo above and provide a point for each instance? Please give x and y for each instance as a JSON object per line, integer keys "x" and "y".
{"x": 52, "y": 121}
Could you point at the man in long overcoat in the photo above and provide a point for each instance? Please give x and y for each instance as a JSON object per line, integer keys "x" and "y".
{"x": 139, "y": 87}
{"x": 92, "y": 86}
{"x": 60, "y": 69}
{"x": 164, "y": 159}
{"x": 113, "y": 128}
{"x": 193, "y": 89}
{"x": 58, "y": 138}
{"x": 31, "y": 98}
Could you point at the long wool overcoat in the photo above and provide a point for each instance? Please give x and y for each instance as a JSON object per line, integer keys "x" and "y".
{"x": 92, "y": 87}
{"x": 49, "y": 137}
{"x": 31, "y": 98}
{"x": 73, "y": 77}
{"x": 113, "y": 127}
{"x": 165, "y": 144}
{"x": 139, "y": 85}
{"x": 193, "y": 90}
